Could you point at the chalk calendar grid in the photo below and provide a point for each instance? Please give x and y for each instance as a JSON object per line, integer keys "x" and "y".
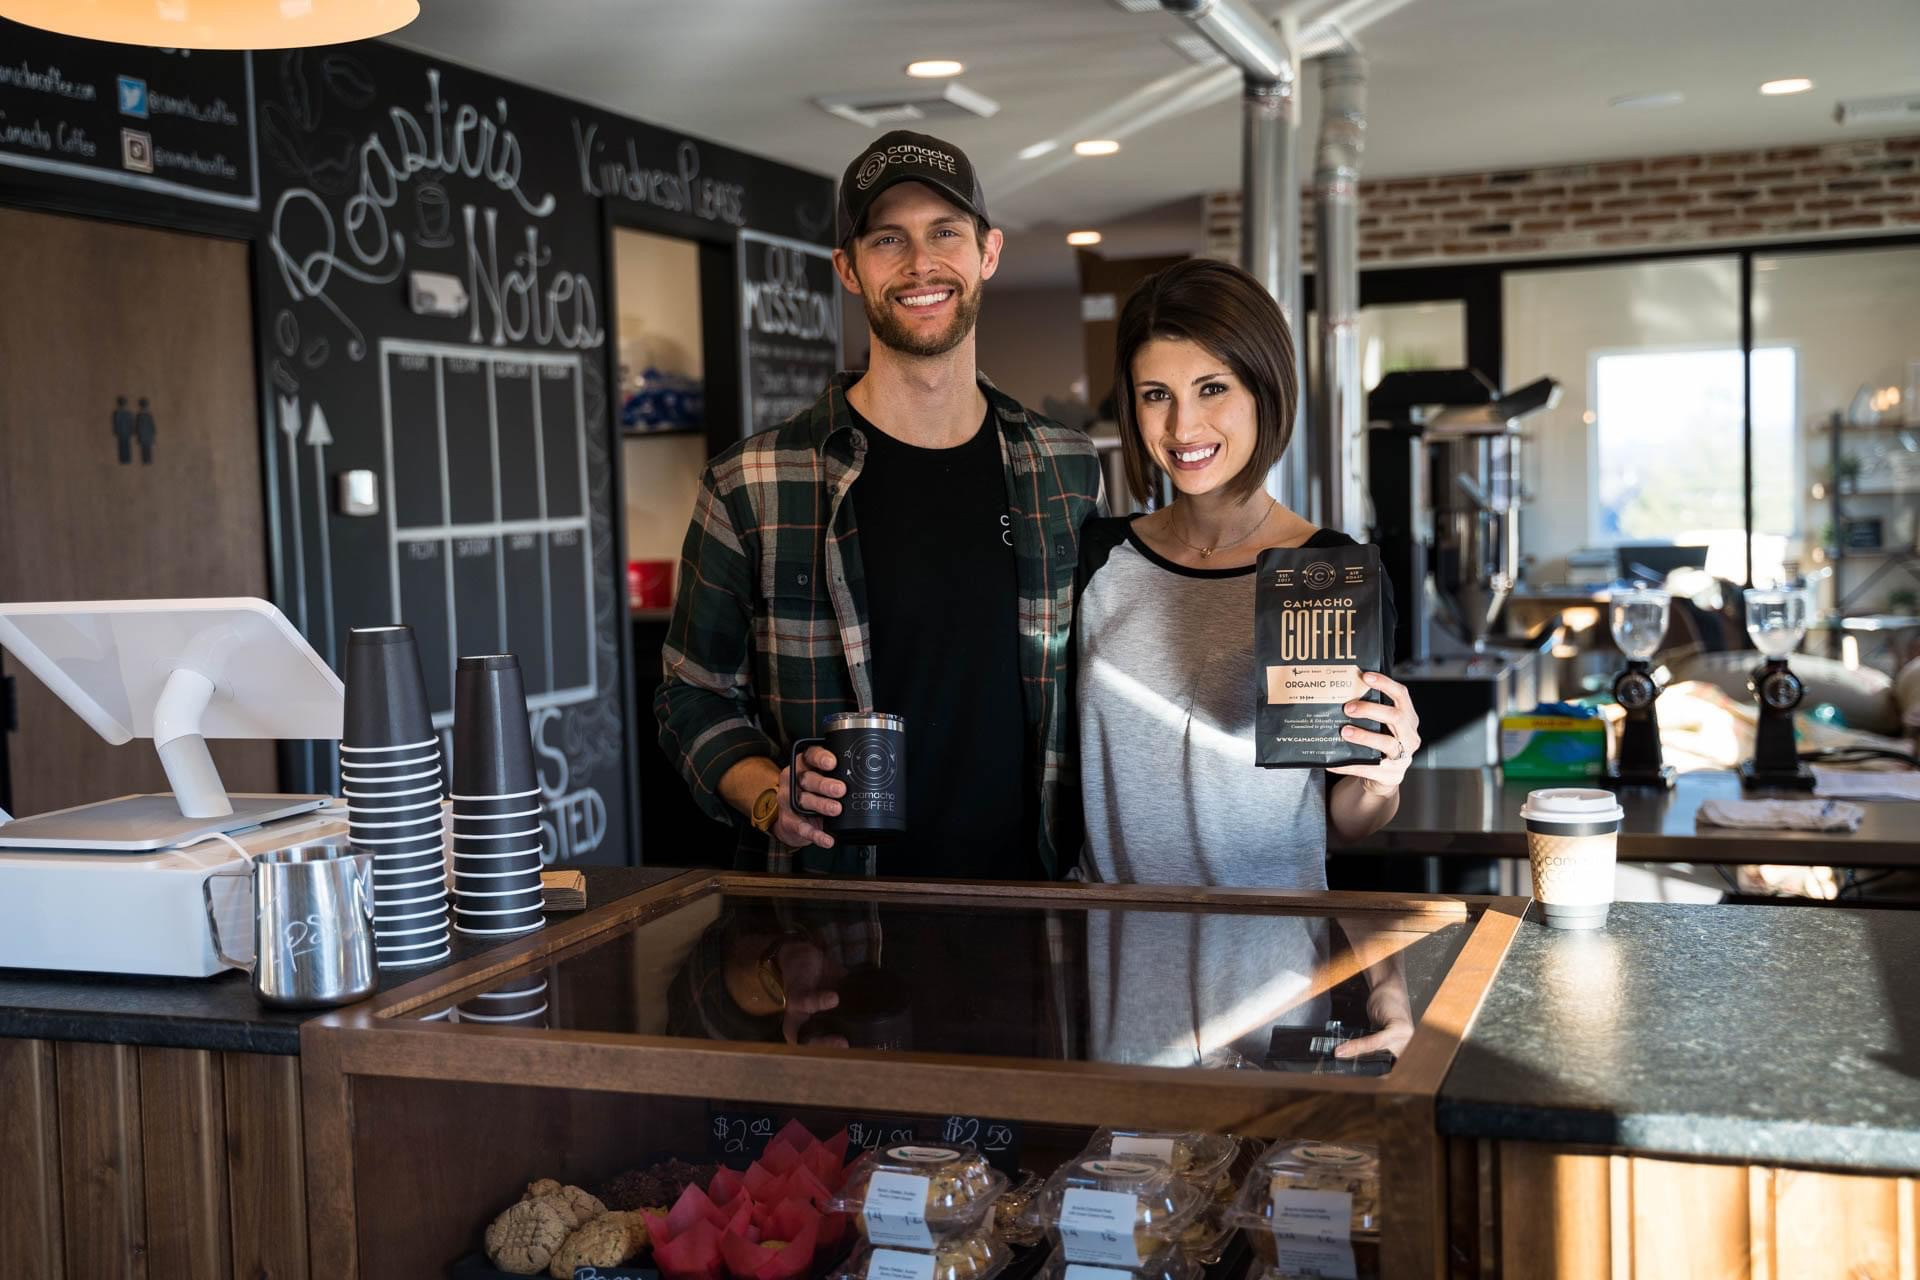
{"x": 486, "y": 458}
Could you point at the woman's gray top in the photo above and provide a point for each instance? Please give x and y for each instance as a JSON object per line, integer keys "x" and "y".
{"x": 1165, "y": 692}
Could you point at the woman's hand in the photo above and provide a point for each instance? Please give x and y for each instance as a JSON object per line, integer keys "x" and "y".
{"x": 1398, "y": 742}
{"x": 1389, "y": 1008}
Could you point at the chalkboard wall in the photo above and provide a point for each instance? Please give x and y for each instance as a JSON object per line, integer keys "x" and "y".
{"x": 490, "y": 430}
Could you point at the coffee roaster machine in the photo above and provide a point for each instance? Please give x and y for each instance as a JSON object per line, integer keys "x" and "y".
{"x": 1444, "y": 454}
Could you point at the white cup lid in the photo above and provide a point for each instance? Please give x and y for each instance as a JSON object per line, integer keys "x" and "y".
{"x": 1572, "y": 805}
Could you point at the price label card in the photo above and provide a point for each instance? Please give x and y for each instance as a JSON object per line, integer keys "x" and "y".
{"x": 1160, "y": 1149}
{"x": 891, "y": 1264}
{"x": 896, "y": 1210}
{"x": 1097, "y": 1226}
{"x": 1329, "y": 1259}
{"x": 1323, "y": 1215}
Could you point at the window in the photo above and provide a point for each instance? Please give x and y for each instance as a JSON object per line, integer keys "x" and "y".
{"x": 1668, "y": 440}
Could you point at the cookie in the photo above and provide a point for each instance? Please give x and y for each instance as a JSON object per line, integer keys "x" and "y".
{"x": 577, "y": 1206}
{"x": 606, "y": 1241}
{"x": 543, "y": 1187}
{"x": 524, "y": 1239}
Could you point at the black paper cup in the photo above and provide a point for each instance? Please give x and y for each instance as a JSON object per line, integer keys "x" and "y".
{"x": 513, "y": 900}
{"x": 369, "y": 798}
{"x": 392, "y": 874}
{"x": 465, "y": 826}
{"x": 492, "y": 738}
{"x": 388, "y": 861}
{"x": 474, "y": 1011}
{"x": 386, "y": 694}
{"x": 423, "y": 819}
{"x": 501, "y": 853}
{"x": 413, "y": 957}
{"x": 411, "y": 914}
{"x": 478, "y": 808}
{"x": 489, "y": 923}
{"x": 494, "y": 876}
{"x": 408, "y": 895}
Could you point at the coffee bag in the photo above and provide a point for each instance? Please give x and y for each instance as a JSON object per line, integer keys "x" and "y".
{"x": 1320, "y": 621}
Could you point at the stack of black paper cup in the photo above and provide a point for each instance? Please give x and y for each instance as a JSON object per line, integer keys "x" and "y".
{"x": 496, "y": 801}
{"x": 390, "y": 773}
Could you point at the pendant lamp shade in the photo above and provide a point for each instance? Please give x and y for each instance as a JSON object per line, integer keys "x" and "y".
{"x": 216, "y": 24}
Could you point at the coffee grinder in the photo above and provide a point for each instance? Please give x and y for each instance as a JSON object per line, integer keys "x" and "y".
{"x": 1639, "y": 625}
{"x": 1777, "y": 622}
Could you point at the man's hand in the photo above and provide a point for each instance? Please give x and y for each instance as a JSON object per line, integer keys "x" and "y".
{"x": 819, "y": 795}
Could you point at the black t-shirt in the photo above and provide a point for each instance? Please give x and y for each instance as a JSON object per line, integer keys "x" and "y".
{"x": 943, "y": 601}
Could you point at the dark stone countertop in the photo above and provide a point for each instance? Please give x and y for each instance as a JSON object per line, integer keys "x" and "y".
{"x": 217, "y": 1013}
{"x": 1769, "y": 1034}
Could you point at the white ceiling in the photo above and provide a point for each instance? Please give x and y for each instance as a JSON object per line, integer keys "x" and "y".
{"x": 1456, "y": 84}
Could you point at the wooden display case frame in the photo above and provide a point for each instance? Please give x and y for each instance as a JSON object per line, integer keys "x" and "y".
{"x": 375, "y": 1041}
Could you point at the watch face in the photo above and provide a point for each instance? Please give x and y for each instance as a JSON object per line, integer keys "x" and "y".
{"x": 1635, "y": 690}
{"x": 1781, "y": 690}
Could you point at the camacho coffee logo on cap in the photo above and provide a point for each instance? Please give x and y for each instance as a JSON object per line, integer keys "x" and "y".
{"x": 905, "y": 153}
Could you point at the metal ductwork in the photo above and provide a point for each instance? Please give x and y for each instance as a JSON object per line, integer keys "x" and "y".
{"x": 1270, "y": 200}
{"x": 1337, "y": 437}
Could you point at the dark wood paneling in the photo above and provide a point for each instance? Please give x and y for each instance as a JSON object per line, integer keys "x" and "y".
{"x": 183, "y": 1134}
{"x": 101, "y": 1161}
{"x": 266, "y": 1173}
{"x": 30, "y": 1159}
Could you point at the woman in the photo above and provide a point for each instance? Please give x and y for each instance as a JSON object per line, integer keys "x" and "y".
{"x": 1205, "y": 390}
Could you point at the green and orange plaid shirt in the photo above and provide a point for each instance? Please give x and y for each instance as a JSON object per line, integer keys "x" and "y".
{"x": 770, "y": 632}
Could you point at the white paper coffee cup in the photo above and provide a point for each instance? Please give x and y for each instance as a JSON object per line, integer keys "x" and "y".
{"x": 1572, "y": 836}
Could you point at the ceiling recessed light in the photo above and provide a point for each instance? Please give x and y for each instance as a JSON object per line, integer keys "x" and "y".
{"x": 1665, "y": 98}
{"x": 1779, "y": 88}
{"x": 1083, "y": 239}
{"x": 1038, "y": 149}
{"x": 1095, "y": 147}
{"x": 934, "y": 68}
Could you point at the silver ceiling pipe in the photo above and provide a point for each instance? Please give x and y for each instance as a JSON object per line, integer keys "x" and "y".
{"x": 1338, "y": 432}
{"x": 1270, "y": 189}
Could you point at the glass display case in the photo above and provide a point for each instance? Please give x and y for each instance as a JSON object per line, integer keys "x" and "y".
{"x": 695, "y": 1020}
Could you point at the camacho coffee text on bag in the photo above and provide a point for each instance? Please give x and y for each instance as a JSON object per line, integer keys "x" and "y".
{"x": 1318, "y": 625}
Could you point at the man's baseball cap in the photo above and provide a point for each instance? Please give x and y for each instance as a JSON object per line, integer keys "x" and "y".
{"x": 901, "y": 156}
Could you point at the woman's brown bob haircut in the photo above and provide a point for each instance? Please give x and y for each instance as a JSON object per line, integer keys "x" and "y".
{"x": 1223, "y": 309}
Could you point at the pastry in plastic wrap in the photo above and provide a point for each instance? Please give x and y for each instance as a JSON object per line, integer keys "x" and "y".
{"x": 1285, "y": 1194}
{"x": 1016, "y": 1215}
{"x": 910, "y": 1196}
{"x": 524, "y": 1239}
{"x": 979, "y": 1256}
{"x": 1117, "y": 1211}
{"x": 607, "y": 1241}
{"x": 1198, "y": 1158}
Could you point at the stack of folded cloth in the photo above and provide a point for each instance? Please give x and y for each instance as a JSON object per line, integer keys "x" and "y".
{"x": 1782, "y": 815}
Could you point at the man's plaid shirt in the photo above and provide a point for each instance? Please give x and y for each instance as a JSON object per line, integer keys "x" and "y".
{"x": 770, "y": 630}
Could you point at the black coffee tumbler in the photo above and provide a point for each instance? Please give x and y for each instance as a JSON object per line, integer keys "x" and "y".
{"x": 870, "y": 755}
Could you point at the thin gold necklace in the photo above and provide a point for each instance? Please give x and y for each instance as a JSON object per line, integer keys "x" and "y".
{"x": 1206, "y": 553}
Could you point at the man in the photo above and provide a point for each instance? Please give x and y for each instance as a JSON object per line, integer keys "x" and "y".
{"x": 907, "y": 546}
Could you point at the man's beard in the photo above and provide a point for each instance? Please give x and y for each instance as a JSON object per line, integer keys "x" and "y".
{"x": 891, "y": 330}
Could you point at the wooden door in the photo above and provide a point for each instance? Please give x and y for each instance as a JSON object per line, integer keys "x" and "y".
{"x": 90, "y": 311}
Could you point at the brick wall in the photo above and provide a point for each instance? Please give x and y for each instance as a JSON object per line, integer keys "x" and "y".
{"x": 1869, "y": 187}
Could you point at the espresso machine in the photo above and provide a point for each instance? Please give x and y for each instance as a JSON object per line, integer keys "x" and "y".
{"x": 1444, "y": 461}
{"x": 1444, "y": 454}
